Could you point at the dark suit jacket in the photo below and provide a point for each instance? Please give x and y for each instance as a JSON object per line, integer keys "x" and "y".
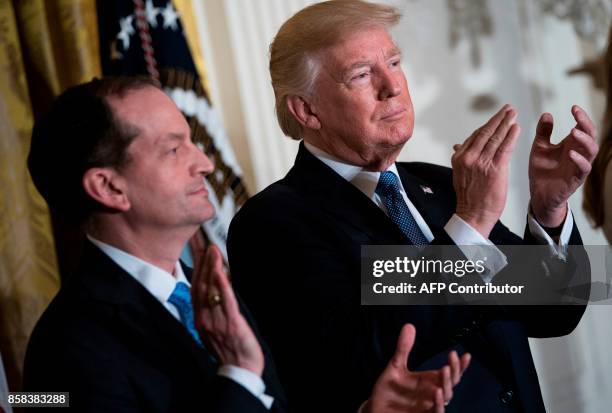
{"x": 115, "y": 348}
{"x": 294, "y": 252}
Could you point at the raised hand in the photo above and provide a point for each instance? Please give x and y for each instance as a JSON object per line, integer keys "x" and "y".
{"x": 401, "y": 390}
{"x": 480, "y": 170}
{"x": 217, "y": 315}
{"x": 556, "y": 171}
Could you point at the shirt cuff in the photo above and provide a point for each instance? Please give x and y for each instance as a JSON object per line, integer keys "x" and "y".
{"x": 560, "y": 249}
{"x": 468, "y": 240}
{"x": 249, "y": 380}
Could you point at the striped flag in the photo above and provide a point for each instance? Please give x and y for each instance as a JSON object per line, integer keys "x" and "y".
{"x": 147, "y": 37}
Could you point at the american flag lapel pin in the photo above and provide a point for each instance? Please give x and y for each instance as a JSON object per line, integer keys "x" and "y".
{"x": 426, "y": 189}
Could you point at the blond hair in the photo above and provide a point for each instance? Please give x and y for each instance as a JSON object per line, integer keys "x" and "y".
{"x": 293, "y": 53}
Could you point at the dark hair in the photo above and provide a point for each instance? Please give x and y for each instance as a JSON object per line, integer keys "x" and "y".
{"x": 80, "y": 132}
{"x": 594, "y": 190}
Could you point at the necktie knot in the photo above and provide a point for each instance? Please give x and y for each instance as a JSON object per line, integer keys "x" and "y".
{"x": 388, "y": 189}
{"x": 181, "y": 299}
{"x": 387, "y": 184}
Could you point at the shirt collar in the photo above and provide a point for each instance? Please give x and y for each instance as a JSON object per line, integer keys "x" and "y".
{"x": 158, "y": 282}
{"x": 365, "y": 181}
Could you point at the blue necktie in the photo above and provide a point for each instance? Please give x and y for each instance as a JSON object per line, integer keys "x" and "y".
{"x": 181, "y": 299}
{"x": 389, "y": 190}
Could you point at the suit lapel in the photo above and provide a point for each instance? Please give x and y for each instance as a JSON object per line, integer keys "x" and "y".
{"x": 346, "y": 205}
{"x": 355, "y": 212}
{"x": 431, "y": 201}
{"x": 141, "y": 319}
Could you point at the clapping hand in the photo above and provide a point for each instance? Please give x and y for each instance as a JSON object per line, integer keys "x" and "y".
{"x": 401, "y": 390}
{"x": 481, "y": 169}
{"x": 217, "y": 315}
{"x": 556, "y": 171}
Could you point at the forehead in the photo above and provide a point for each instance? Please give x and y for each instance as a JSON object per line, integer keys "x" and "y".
{"x": 150, "y": 110}
{"x": 363, "y": 45}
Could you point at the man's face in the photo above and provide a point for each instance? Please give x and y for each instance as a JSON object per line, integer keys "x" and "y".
{"x": 165, "y": 173}
{"x": 362, "y": 101}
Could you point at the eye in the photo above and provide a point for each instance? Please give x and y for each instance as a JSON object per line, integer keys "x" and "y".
{"x": 395, "y": 63}
{"x": 361, "y": 76}
{"x": 173, "y": 151}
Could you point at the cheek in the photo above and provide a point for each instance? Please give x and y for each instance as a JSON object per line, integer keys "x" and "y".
{"x": 363, "y": 112}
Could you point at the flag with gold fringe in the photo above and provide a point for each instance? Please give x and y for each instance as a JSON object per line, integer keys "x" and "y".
{"x": 149, "y": 37}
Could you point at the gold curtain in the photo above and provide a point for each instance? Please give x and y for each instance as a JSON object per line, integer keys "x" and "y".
{"x": 45, "y": 47}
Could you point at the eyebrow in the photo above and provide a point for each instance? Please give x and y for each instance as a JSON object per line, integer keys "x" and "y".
{"x": 170, "y": 137}
{"x": 361, "y": 63}
{"x": 173, "y": 136}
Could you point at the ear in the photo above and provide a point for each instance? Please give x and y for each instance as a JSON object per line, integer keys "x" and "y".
{"x": 107, "y": 187}
{"x": 303, "y": 111}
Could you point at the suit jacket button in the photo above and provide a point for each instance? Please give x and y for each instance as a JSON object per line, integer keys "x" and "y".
{"x": 506, "y": 396}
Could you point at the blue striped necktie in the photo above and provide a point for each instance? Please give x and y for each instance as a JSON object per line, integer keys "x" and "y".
{"x": 389, "y": 190}
{"x": 181, "y": 299}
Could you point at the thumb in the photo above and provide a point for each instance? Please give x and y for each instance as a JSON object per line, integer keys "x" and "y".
{"x": 404, "y": 346}
{"x": 545, "y": 127}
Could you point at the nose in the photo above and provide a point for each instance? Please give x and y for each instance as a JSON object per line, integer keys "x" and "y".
{"x": 201, "y": 165}
{"x": 389, "y": 84}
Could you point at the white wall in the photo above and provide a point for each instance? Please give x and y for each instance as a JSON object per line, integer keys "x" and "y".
{"x": 523, "y": 62}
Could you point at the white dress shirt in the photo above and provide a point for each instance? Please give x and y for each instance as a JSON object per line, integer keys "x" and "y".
{"x": 160, "y": 284}
{"x": 457, "y": 229}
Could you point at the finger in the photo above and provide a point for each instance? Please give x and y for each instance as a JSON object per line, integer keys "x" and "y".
{"x": 206, "y": 329}
{"x": 208, "y": 270}
{"x": 545, "y": 127}
{"x": 505, "y": 150}
{"x": 469, "y": 141}
{"x": 455, "y": 368}
{"x": 447, "y": 382}
{"x": 439, "y": 402}
{"x": 584, "y": 144}
{"x": 479, "y": 138}
{"x": 421, "y": 406}
{"x": 220, "y": 312}
{"x": 199, "y": 254}
{"x": 229, "y": 302}
{"x": 584, "y": 122}
{"x": 499, "y": 136}
{"x": 465, "y": 362}
{"x": 219, "y": 318}
{"x": 200, "y": 286}
{"x": 582, "y": 164}
{"x": 404, "y": 346}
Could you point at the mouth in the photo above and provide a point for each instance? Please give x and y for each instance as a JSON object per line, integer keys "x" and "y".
{"x": 200, "y": 191}
{"x": 394, "y": 115}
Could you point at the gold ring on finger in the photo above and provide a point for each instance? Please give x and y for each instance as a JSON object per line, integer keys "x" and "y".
{"x": 214, "y": 300}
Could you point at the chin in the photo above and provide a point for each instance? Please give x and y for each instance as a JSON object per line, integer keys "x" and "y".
{"x": 205, "y": 213}
{"x": 396, "y": 142}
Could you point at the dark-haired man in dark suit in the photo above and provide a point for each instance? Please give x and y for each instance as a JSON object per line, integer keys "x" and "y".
{"x": 116, "y": 155}
{"x": 340, "y": 87}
